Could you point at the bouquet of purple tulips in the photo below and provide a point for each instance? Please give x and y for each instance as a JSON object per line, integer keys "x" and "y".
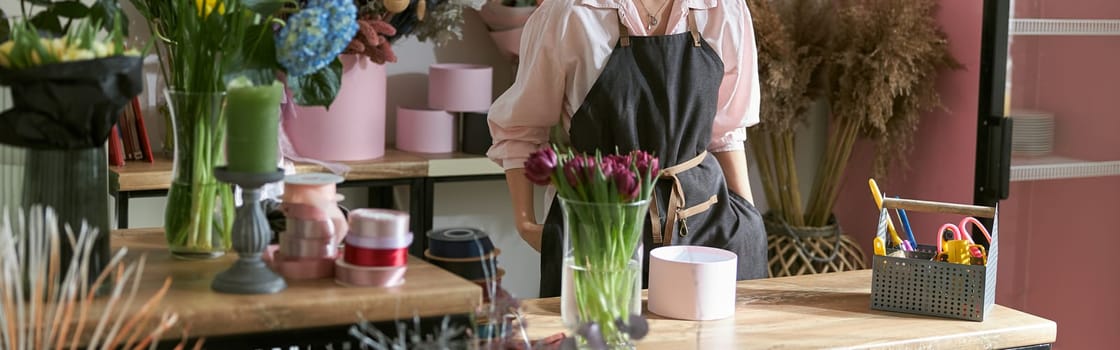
{"x": 615, "y": 178}
{"x": 605, "y": 200}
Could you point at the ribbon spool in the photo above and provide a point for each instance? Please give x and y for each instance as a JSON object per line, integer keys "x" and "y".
{"x": 358, "y": 276}
{"x": 378, "y": 223}
{"x": 310, "y": 206}
{"x": 376, "y": 251}
{"x": 475, "y": 268}
{"x": 459, "y": 242}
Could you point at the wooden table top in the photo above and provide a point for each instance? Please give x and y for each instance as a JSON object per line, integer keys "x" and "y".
{"x": 396, "y": 164}
{"x": 427, "y": 291}
{"x": 819, "y": 311}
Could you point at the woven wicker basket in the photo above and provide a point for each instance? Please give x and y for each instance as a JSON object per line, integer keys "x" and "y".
{"x": 809, "y": 250}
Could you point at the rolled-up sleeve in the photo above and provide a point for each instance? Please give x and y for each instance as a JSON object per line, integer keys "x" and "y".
{"x": 739, "y": 92}
{"x": 521, "y": 117}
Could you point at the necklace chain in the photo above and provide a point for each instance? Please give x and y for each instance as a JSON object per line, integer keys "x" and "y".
{"x": 653, "y": 17}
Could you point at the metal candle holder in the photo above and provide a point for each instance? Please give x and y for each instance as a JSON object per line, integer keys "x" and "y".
{"x": 251, "y": 235}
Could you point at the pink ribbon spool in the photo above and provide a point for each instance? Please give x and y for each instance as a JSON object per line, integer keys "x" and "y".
{"x": 297, "y": 247}
{"x": 310, "y": 204}
{"x": 380, "y": 242}
{"x": 459, "y": 87}
{"x": 357, "y": 276}
{"x": 425, "y": 130}
{"x": 302, "y": 268}
{"x": 379, "y": 223}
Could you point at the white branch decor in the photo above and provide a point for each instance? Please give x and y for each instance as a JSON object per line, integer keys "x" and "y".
{"x": 42, "y": 307}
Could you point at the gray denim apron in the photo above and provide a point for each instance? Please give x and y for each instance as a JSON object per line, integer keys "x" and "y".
{"x": 660, "y": 94}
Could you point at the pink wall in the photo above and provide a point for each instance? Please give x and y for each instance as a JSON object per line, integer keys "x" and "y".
{"x": 1067, "y": 227}
{"x": 1055, "y": 235}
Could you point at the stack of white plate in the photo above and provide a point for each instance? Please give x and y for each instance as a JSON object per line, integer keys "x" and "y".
{"x": 1032, "y": 132}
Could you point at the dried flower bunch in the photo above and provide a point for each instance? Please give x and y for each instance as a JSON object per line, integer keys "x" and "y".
{"x": 383, "y": 22}
{"x": 45, "y": 304}
{"x": 876, "y": 62}
{"x": 794, "y": 39}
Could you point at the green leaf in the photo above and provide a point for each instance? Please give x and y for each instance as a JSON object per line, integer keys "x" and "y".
{"x": 264, "y": 7}
{"x": 109, "y": 13}
{"x": 255, "y": 57}
{"x": 70, "y": 9}
{"x": 318, "y": 88}
{"x": 47, "y": 21}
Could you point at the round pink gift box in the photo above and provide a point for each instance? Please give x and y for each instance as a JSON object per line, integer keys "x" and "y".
{"x": 425, "y": 130}
{"x": 692, "y": 282}
{"x": 354, "y": 127}
{"x": 459, "y": 87}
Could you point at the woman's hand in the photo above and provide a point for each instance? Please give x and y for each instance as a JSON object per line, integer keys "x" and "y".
{"x": 521, "y": 192}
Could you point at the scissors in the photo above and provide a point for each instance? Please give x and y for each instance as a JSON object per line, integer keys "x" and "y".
{"x": 961, "y": 249}
{"x": 879, "y": 202}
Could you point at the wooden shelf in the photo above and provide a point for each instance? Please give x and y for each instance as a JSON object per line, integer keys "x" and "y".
{"x": 427, "y": 291}
{"x": 396, "y": 164}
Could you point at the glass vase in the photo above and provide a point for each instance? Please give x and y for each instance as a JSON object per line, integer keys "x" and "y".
{"x": 601, "y": 283}
{"x": 199, "y": 214}
{"x": 74, "y": 182}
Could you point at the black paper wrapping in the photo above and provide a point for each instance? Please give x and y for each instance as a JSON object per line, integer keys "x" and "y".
{"x": 71, "y": 105}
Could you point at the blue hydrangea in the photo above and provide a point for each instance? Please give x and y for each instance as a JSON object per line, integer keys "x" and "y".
{"x": 314, "y": 36}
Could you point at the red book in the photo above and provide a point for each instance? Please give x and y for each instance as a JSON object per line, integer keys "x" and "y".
{"x": 142, "y": 131}
{"x": 116, "y": 149}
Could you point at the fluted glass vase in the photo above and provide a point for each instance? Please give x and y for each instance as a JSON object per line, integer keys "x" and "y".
{"x": 199, "y": 213}
{"x": 601, "y": 283}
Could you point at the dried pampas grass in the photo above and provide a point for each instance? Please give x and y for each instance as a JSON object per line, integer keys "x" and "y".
{"x": 43, "y": 307}
{"x": 883, "y": 76}
{"x": 794, "y": 39}
{"x": 876, "y": 62}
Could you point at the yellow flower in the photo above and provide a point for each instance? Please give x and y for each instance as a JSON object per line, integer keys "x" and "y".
{"x": 206, "y": 6}
{"x": 6, "y": 47}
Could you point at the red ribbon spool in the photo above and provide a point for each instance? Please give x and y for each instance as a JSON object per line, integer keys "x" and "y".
{"x": 367, "y": 257}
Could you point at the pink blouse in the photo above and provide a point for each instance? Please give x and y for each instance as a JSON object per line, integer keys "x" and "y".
{"x": 565, "y": 46}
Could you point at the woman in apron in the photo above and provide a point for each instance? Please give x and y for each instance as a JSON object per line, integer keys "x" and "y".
{"x": 676, "y": 78}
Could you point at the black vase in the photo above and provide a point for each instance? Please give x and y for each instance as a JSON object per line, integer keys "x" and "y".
{"x": 53, "y": 137}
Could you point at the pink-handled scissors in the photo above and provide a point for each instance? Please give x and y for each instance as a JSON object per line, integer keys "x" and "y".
{"x": 960, "y": 233}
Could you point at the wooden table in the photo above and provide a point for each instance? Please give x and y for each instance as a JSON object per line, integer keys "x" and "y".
{"x": 820, "y": 311}
{"x": 305, "y": 313}
{"x": 419, "y": 171}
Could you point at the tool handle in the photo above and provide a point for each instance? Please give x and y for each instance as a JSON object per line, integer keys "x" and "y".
{"x": 939, "y": 207}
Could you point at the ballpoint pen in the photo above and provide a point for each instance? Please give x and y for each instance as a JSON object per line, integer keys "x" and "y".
{"x": 902, "y": 218}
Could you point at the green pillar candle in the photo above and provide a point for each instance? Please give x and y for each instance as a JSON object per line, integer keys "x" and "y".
{"x": 253, "y": 118}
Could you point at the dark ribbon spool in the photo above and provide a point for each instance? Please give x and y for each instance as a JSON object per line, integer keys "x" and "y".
{"x": 468, "y": 268}
{"x": 459, "y": 243}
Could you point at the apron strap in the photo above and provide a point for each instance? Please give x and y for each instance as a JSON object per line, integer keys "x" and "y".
{"x": 623, "y": 33}
{"x": 675, "y": 211}
{"x": 692, "y": 27}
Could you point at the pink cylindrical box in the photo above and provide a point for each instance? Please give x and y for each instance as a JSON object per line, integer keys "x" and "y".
{"x": 459, "y": 87}
{"x": 354, "y": 127}
{"x": 709, "y": 293}
{"x": 425, "y": 130}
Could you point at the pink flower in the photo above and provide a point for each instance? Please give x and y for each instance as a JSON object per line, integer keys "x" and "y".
{"x": 627, "y": 184}
{"x": 540, "y": 166}
{"x": 646, "y": 163}
{"x": 580, "y": 169}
